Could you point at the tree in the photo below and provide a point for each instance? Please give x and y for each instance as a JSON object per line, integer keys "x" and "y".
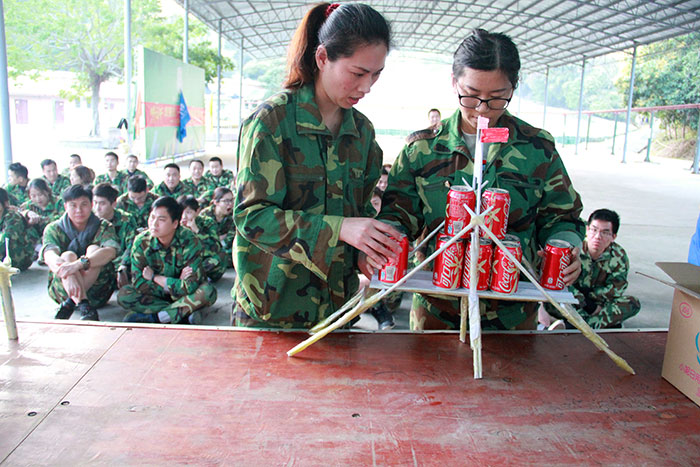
{"x": 86, "y": 37}
{"x": 270, "y": 72}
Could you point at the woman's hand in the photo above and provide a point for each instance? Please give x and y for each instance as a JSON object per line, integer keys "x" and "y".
{"x": 373, "y": 238}
{"x": 573, "y": 270}
{"x": 148, "y": 273}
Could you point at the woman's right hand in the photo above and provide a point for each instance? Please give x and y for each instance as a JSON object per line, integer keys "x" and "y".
{"x": 371, "y": 237}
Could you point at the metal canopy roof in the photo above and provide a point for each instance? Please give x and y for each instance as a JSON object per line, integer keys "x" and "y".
{"x": 547, "y": 32}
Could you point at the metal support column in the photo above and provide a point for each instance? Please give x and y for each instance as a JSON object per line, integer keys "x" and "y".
{"x": 612, "y": 150}
{"x": 697, "y": 146}
{"x": 580, "y": 105}
{"x": 218, "y": 92}
{"x": 128, "y": 69}
{"x": 588, "y": 130}
{"x": 186, "y": 34}
{"x": 520, "y": 100}
{"x": 4, "y": 100}
{"x": 240, "y": 87}
{"x": 629, "y": 104}
{"x": 546, "y": 89}
{"x": 563, "y": 136}
{"x": 651, "y": 136}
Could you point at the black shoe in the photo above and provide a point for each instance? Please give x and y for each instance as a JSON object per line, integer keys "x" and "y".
{"x": 138, "y": 317}
{"x": 385, "y": 320}
{"x": 65, "y": 310}
{"x": 87, "y": 312}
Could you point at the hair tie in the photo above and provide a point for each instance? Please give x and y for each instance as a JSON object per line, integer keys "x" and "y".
{"x": 331, "y": 8}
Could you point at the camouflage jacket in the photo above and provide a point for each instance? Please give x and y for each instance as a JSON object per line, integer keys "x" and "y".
{"x": 225, "y": 179}
{"x": 140, "y": 214}
{"x": 604, "y": 279}
{"x": 149, "y": 182}
{"x": 56, "y": 239}
{"x": 185, "y": 250}
{"x": 224, "y": 228}
{"x": 199, "y": 190}
{"x": 50, "y": 213}
{"x": 543, "y": 205}
{"x": 13, "y": 228}
{"x": 126, "y": 229}
{"x": 119, "y": 182}
{"x": 62, "y": 182}
{"x": 295, "y": 185}
{"x": 18, "y": 194}
{"x": 181, "y": 189}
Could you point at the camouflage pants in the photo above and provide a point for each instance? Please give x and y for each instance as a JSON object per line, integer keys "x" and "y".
{"x": 215, "y": 265}
{"x": 132, "y": 299}
{"x": 444, "y": 314}
{"x": 98, "y": 295}
{"x": 612, "y": 313}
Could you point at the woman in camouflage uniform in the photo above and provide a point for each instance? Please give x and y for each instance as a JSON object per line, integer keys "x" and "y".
{"x": 13, "y": 235}
{"x": 308, "y": 163}
{"x": 543, "y": 205}
{"x": 41, "y": 209}
{"x": 220, "y": 213}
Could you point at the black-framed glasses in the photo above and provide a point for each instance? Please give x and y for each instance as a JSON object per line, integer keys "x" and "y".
{"x": 472, "y": 102}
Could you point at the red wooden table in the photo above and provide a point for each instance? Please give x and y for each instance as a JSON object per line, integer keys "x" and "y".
{"x": 79, "y": 394}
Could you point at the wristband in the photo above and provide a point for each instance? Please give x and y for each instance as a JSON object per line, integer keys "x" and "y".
{"x": 85, "y": 262}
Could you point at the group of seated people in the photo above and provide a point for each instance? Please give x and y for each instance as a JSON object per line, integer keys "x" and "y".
{"x": 162, "y": 249}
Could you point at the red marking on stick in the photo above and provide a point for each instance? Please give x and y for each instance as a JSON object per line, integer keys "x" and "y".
{"x": 494, "y": 135}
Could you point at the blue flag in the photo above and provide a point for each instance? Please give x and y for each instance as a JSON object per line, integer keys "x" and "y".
{"x": 184, "y": 118}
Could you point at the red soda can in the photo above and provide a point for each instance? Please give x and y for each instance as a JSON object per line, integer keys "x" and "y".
{"x": 512, "y": 238}
{"x": 457, "y": 217}
{"x": 557, "y": 257}
{"x": 394, "y": 270}
{"x": 497, "y": 219}
{"x": 448, "y": 265}
{"x": 505, "y": 275}
{"x": 484, "y": 266}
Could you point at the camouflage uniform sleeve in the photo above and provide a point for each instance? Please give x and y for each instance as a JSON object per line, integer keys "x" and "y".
{"x": 192, "y": 256}
{"x": 401, "y": 205}
{"x": 558, "y": 215}
{"x": 139, "y": 261}
{"x": 50, "y": 240}
{"x": 106, "y": 237}
{"x": 615, "y": 272}
{"x": 301, "y": 236}
{"x": 129, "y": 236}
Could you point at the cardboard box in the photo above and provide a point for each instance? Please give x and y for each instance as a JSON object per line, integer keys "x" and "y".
{"x": 682, "y": 358}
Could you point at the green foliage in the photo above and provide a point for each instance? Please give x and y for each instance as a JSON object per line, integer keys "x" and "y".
{"x": 271, "y": 72}
{"x": 668, "y": 73}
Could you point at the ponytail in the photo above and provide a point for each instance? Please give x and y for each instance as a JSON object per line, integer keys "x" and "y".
{"x": 340, "y": 29}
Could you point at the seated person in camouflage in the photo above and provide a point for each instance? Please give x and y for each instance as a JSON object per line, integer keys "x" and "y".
{"x": 172, "y": 185}
{"x": 41, "y": 209}
{"x": 132, "y": 164}
{"x": 197, "y": 183}
{"x": 81, "y": 175}
{"x": 137, "y": 201}
{"x": 113, "y": 176}
{"x": 214, "y": 262}
{"x": 601, "y": 286}
{"x": 104, "y": 204}
{"x": 79, "y": 248}
{"x": 217, "y": 176}
{"x": 13, "y": 235}
{"x": 56, "y": 181}
{"x": 221, "y": 212}
{"x": 17, "y": 181}
{"x": 73, "y": 161}
{"x": 168, "y": 283}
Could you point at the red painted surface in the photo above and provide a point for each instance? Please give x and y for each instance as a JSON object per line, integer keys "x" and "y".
{"x": 162, "y": 396}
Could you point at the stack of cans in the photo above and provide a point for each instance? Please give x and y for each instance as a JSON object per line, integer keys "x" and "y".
{"x": 452, "y": 268}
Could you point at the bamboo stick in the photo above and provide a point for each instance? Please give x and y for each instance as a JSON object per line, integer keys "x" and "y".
{"x": 347, "y": 305}
{"x": 8, "y": 307}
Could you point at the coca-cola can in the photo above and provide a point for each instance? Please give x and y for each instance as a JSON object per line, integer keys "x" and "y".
{"x": 511, "y": 238}
{"x": 505, "y": 274}
{"x": 497, "y": 220}
{"x": 483, "y": 268}
{"x": 448, "y": 264}
{"x": 557, "y": 256}
{"x": 394, "y": 270}
{"x": 456, "y": 217}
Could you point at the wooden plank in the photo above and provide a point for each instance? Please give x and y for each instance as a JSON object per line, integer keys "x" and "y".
{"x": 422, "y": 282}
{"x": 167, "y": 396}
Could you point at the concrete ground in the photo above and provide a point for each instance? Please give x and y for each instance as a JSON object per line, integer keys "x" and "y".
{"x": 658, "y": 203}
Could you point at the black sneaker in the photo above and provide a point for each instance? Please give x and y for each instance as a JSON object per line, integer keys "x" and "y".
{"x": 87, "y": 312}
{"x": 138, "y": 317}
{"x": 385, "y": 320}
{"x": 65, "y": 310}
